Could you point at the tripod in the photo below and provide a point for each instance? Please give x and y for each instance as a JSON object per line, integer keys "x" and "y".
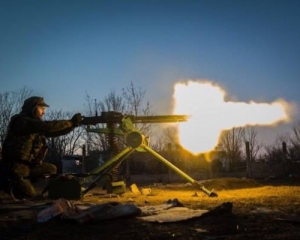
{"x": 136, "y": 141}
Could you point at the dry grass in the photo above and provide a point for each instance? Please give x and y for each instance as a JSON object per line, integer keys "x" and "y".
{"x": 246, "y": 195}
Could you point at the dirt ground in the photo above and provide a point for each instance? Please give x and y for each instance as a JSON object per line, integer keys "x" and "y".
{"x": 260, "y": 210}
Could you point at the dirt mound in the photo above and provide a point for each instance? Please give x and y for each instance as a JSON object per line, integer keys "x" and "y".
{"x": 230, "y": 183}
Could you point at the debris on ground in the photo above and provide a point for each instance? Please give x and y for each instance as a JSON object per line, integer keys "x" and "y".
{"x": 146, "y": 191}
{"x": 134, "y": 189}
{"x": 175, "y": 214}
{"x": 57, "y": 208}
{"x": 170, "y": 211}
{"x": 250, "y": 219}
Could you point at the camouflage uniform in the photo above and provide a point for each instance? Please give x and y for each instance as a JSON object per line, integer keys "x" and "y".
{"x": 23, "y": 145}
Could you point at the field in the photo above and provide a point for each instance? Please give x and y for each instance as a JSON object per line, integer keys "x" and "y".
{"x": 260, "y": 210}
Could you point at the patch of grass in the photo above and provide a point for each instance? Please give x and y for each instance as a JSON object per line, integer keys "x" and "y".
{"x": 230, "y": 183}
{"x": 245, "y": 194}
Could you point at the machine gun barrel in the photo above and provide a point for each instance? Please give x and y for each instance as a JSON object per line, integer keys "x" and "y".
{"x": 116, "y": 117}
{"x": 159, "y": 119}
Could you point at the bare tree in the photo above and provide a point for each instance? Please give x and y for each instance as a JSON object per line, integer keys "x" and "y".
{"x": 112, "y": 102}
{"x": 295, "y": 142}
{"x": 136, "y": 105}
{"x": 130, "y": 102}
{"x": 10, "y": 104}
{"x": 134, "y": 100}
{"x": 273, "y": 152}
{"x": 250, "y": 135}
{"x": 231, "y": 143}
{"x": 68, "y": 144}
{"x": 166, "y": 139}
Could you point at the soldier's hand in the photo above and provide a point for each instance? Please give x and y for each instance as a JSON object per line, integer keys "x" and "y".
{"x": 76, "y": 119}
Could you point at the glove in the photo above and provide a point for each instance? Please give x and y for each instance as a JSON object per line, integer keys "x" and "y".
{"x": 76, "y": 119}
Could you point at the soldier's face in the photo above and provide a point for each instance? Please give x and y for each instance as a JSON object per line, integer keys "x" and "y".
{"x": 40, "y": 111}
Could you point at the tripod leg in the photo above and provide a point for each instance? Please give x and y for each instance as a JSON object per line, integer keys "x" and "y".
{"x": 178, "y": 171}
{"x": 107, "y": 167}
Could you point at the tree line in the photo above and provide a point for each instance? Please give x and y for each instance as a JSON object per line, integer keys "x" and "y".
{"x": 131, "y": 100}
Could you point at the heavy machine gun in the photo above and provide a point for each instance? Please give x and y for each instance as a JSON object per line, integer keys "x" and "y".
{"x": 119, "y": 118}
{"x": 119, "y": 124}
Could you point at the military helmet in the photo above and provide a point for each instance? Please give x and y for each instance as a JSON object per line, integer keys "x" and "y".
{"x": 30, "y": 103}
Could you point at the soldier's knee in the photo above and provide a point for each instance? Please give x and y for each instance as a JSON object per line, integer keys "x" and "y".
{"x": 22, "y": 188}
{"x": 48, "y": 168}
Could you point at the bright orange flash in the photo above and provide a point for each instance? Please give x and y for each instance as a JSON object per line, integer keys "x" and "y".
{"x": 210, "y": 114}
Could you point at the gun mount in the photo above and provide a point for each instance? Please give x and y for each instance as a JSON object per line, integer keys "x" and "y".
{"x": 119, "y": 124}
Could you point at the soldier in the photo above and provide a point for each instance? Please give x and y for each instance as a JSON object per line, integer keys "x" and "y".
{"x": 24, "y": 147}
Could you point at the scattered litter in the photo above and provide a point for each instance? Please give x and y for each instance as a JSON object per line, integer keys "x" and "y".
{"x": 87, "y": 213}
{"x": 59, "y": 207}
{"x": 170, "y": 211}
{"x": 149, "y": 210}
{"x": 106, "y": 212}
{"x": 116, "y": 187}
{"x": 146, "y": 191}
{"x": 174, "y": 211}
{"x": 174, "y": 214}
{"x": 134, "y": 189}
